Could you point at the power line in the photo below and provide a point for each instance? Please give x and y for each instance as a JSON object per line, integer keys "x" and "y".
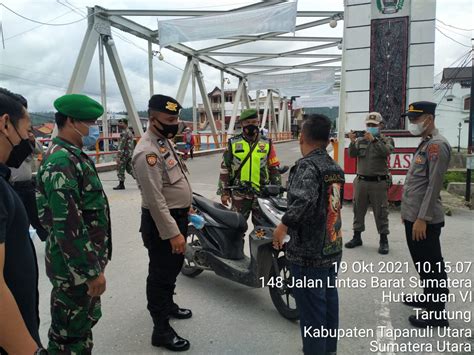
{"x": 34, "y": 28}
{"x": 451, "y": 106}
{"x": 461, "y": 58}
{"x": 452, "y": 39}
{"x": 458, "y": 28}
{"x": 456, "y": 33}
{"x": 44, "y": 23}
{"x": 71, "y": 6}
{"x": 75, "y": 9}
{"x": 42, "y": 83}
{"x": 451, "y": 81}
{"x": 34, "y": 72}
{"x": 57, "y": 86}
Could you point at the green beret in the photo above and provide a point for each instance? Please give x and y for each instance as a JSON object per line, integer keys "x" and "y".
{"x": 248, "y": 114}
{"x": 79, "y": 107}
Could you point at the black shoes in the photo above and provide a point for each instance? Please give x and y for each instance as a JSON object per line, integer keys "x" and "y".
{"x": 169, "y": 340}
{"x": 181, "y": 313}
{"x": 120, "y": 186}
{"x": 423, "y": 323}
{"x": 356, "y": 241}
{"x": 383, "y": 246}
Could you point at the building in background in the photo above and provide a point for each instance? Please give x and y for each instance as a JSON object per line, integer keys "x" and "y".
{"x": 113, "y": 119}
{"x": 454, "y": 99}
{"x": 229, "y": 97}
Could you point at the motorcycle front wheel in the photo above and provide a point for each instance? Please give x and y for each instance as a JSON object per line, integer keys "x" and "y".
{"x": 189, "y": 267}
{"x": 282, "y": 297}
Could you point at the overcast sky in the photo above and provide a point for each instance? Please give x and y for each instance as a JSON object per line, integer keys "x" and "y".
{"x": 38, "y": 60}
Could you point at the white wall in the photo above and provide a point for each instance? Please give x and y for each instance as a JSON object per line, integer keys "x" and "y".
{"x": 420, "y": 66}
{"x": 450, "y": 113}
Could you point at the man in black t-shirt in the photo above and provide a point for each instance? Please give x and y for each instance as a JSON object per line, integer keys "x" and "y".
{"x": 19, "y": 319}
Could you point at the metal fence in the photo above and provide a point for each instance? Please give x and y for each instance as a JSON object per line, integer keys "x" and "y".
{"x": 202, "y": 141}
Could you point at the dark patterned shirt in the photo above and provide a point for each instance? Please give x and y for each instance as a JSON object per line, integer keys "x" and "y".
{"x": 315, "y": 194}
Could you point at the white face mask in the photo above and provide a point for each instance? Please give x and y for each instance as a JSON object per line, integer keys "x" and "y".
{"x": 416, "y": 129}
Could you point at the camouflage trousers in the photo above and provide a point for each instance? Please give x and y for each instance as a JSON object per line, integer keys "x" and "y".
{"x": 245, "y": 203}
{"x": 73, "y": 314}
{"x": 124, "y": 164}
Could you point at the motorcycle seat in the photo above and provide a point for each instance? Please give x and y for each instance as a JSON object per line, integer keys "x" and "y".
{"x": 220, "y": 213}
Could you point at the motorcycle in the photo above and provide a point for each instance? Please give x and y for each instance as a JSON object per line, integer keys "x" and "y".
{"x": 219, "y": 247}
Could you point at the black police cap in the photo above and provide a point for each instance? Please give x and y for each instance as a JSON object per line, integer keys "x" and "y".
{"x": 165, "y": 104}
{"x": 419, "y": 108}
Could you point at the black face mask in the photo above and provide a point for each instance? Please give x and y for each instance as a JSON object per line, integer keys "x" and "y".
{"x": 168, "y": 130}
{"x": 20, "y": 152}
{"x": 251, "y": 130}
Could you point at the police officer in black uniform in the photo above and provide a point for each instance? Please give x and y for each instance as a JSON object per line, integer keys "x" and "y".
{"x": 423, "y": 214}
{"x": 163, "y": 180}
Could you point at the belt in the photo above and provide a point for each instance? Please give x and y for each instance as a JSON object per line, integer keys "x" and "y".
{"x": 174, "y": 212}
{"x": 372, "y": 178}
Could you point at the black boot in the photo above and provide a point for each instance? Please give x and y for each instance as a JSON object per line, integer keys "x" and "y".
{"x": 169, "y": 340}
{"x": 355, "y": 241}
{"x": 120, "y": 186}
{"x": 436, "y": 319}
{"x": 383, "y": 246}
{"x": 181, "y": 313}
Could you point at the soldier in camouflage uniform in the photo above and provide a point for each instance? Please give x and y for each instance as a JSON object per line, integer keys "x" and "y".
{"x": 74, "y": 209}
{"x": 125, "y": 153}
{"x": 249, "y": 162}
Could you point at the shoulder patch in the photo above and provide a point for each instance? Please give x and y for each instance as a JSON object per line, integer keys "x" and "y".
{"x": 433, "y": 148}
{"x": 151, "y": 159}
{"x": 433, "y": 151}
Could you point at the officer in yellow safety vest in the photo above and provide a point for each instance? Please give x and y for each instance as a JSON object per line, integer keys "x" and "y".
{"x": 249, "y": 162}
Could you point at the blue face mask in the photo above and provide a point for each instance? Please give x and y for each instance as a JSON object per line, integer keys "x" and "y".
{"x": 373, "y": 131}
{"x": 92, "y": 136}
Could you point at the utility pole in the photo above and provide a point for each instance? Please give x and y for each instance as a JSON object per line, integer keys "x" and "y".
{"x": 459, "y": 136}
{"x": 469, "y": 143}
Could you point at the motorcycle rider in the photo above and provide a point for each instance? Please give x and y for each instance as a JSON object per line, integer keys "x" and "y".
{"x": 249, "y": 162}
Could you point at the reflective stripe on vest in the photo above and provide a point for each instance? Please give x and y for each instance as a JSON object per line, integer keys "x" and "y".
{"x": 254, "y": 169}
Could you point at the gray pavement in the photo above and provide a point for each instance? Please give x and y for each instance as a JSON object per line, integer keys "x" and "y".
{"x": 233, "y": 319}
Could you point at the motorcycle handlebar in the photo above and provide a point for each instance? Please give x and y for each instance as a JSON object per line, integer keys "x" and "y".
{"x": 266, "y": 190}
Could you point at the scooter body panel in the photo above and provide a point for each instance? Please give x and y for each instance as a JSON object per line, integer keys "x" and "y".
{"x": 221, "y": 247}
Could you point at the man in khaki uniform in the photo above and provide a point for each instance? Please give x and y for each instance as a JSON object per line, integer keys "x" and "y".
{"x": 372, "y": 181}
{"x": 423, "y": 214}
{"x": 166, "y": 200}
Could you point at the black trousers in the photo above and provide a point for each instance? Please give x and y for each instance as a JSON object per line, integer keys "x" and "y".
{"x": 26, "y": 190}
{"x": 163, "y": 267}
{"x": 428, "y": 259}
